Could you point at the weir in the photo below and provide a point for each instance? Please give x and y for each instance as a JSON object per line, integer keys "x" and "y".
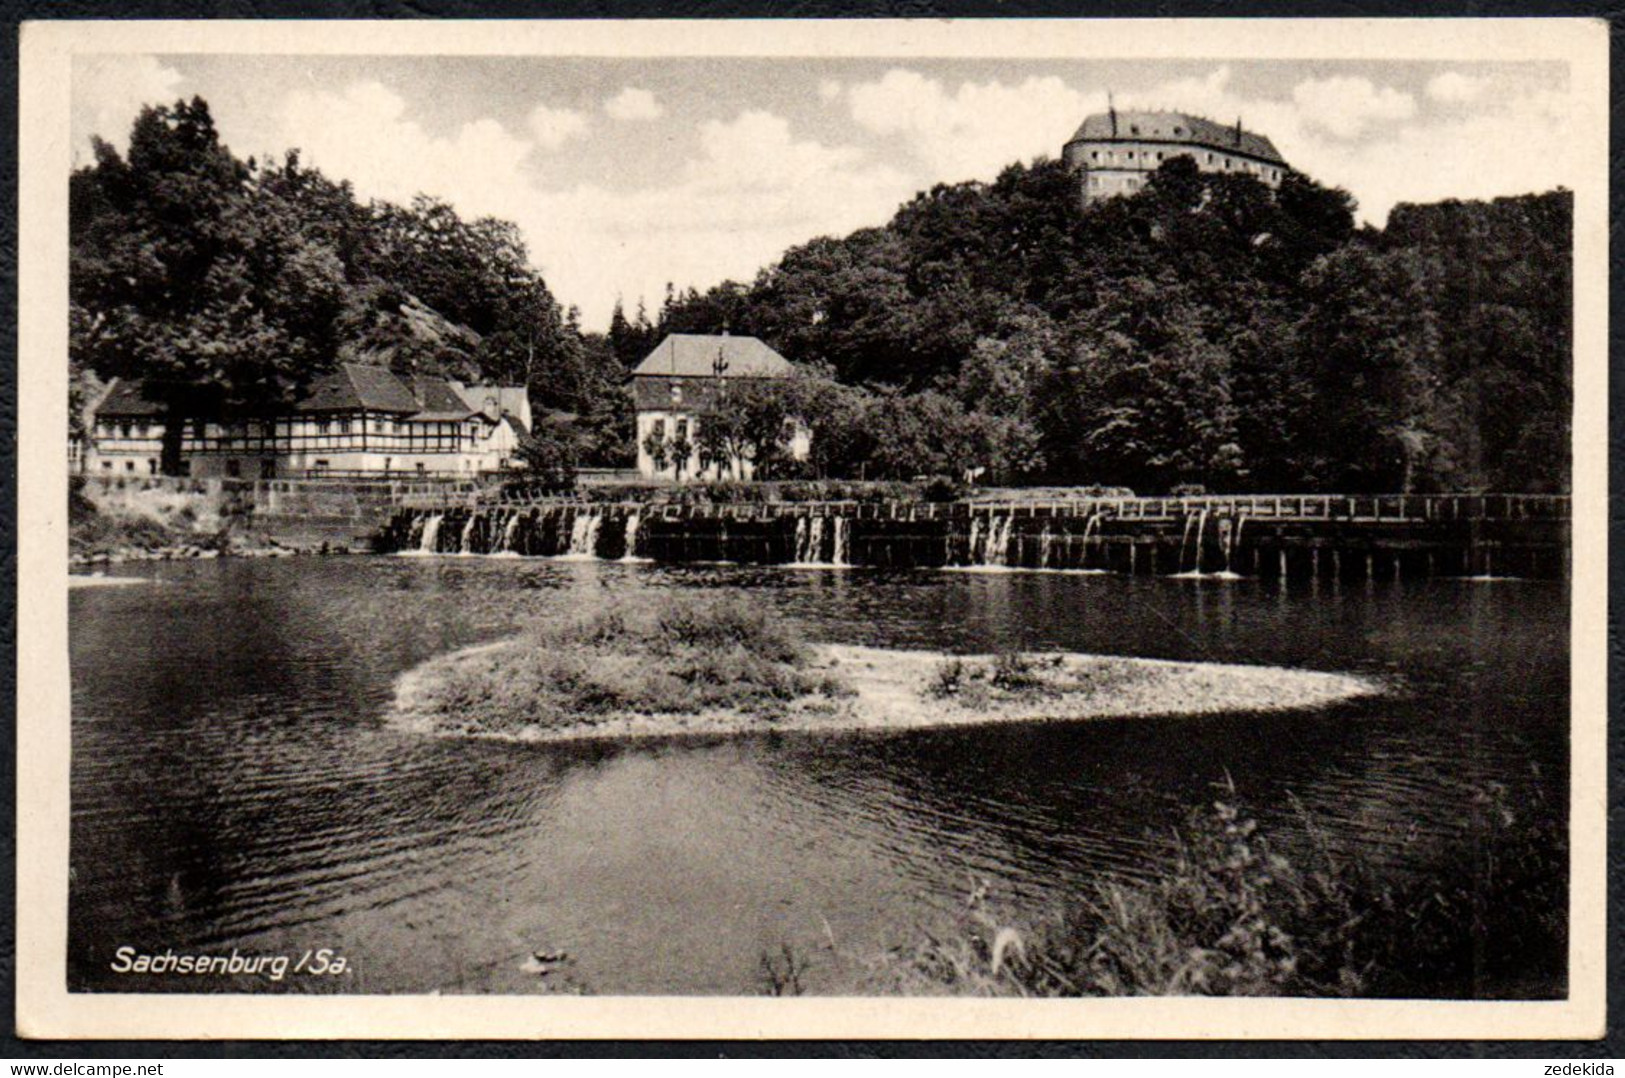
{"x": 1391, "y": 537}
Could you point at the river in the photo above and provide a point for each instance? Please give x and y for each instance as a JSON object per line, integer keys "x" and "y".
{"x": 235, "y": 783}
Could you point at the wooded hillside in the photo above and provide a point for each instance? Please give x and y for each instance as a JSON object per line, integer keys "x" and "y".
{"x": 1206, "y": 330}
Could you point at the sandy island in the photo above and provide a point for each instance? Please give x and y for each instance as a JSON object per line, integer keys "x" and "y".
{"x": 99, "y": 580}
{"x": 891, "y": 690}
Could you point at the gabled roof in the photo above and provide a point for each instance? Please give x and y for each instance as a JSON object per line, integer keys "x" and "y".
{"x": 124, "y": 398}
{"x": 438, "y": 400}
{"x": 692, "y": 355}
{"x": 1154, "y": 126}
{"x": 496, "y": 401}
{"x": 357, "y": 386}
{"x": 353, "y": 387}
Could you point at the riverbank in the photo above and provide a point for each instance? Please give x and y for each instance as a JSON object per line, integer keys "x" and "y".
{"x": 161, "y": 523}
{"x": 531, "y": 689}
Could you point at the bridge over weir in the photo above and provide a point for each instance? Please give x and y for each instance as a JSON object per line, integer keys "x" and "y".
{"x": 1346, "y": 536}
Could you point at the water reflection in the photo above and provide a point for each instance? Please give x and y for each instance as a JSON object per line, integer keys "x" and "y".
{"x": 234, "y": 784}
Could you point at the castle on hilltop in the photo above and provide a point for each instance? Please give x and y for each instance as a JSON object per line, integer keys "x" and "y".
{"x": 1114, "y": 152}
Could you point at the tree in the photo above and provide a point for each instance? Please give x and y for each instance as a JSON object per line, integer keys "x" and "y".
{"x": 750, "y": 430}
{"x": 551, "y": 452}
{"x": 210, "y": 294}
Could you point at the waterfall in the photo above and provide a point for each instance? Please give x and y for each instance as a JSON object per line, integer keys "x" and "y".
{"x": 1199, "y": 518}
{"x": 809, "y": 552}
{"x": 632, "y": 522}
{"x": 1235, "y": 541}
{"x": 809, "y": 540}
{"x": 431, "y": 535}
{"x": 584, "y": 535}
{"x": 973, "y": 551}
{"x": 1043, "y": 546}
{"x": 414, "y": 534}
{"x": 839, "y": 557}
{"x": 998, "y": 541}
{"x": 509, "y": 530}
{"x": 468, "y": 533}
{"x": 1091, "y": 536}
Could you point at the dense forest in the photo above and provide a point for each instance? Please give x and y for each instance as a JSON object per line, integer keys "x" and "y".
{"x": 1204, "y": 331}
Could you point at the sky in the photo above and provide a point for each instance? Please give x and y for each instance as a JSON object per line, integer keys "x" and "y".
{"x": 627, "y": 174}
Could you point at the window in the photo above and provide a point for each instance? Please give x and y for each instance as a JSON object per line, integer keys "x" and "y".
{"x": 267, "y": 468}
{"x": 682, "y": 429}
{"x": 1133, "y": 129}
{"x": 320, "y": 468}
{"x": 124, "y": 430}
{"x": 1094, "y": 155}
{"x": 107, "y": 465}
{"x": 420, "y": 467}
{"x": 1130, "y": 155}
{"x": 1210, "y": 159}
{"x": 324, "y": 426}
{"x": 234, "y": 468}
{"x": 658, "y": 429}
{"x": 129, "y": 465}
{"x": 152, "y": 466}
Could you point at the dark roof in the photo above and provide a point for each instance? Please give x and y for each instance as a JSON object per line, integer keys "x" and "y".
{"x": 353, "y": 387}
{"x": 691, "y": 355}
{"x": 357, "y": 386}
{"x": 438, "y": 400}
{"x": 516, "y": 423}
{"x": 1180, "y": 127}
{"x": 124, "y": 398}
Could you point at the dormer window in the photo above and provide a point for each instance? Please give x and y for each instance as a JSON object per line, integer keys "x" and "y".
{"x": 677, "y": 393}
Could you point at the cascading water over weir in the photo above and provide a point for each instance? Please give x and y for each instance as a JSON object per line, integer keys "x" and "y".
{"x": 1199, "y": 538}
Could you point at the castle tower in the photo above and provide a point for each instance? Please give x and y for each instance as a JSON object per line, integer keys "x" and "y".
{"x": 1116, "y": 151}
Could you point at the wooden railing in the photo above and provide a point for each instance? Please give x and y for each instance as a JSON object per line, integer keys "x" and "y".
{"x": 1364, "y": 508}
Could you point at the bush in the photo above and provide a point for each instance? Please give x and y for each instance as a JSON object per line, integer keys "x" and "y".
{"x": 1230, "y": 914}
{"x": 677, "y": 655}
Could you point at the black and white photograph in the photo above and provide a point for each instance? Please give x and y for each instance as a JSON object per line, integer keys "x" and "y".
{"x": 860, "y": 524}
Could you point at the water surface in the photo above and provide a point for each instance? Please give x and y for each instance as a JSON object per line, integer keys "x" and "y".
{"x": 235, "y": 783}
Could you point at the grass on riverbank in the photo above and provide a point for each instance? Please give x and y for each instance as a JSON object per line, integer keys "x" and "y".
{"x": 671, "y": 655}
{"x": 1232, "y": 915}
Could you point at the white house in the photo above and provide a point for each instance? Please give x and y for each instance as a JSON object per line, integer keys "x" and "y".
{"x": 359, "y": 420}
{"x": 682, "y": 382}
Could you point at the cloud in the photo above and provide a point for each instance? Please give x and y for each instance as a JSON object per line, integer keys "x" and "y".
{"x": 634, "y": 104}
{"x": 363, "y": 133}
{"x": 1344, "y": 106}
{"x": 749, "y": 189}
{"x": 1454, "y": 88}
{"x": 973, "y": 131}
{"x": 108, "y": 92}
{"x": 752, "y": 190}
{"x": 552, "y": 128}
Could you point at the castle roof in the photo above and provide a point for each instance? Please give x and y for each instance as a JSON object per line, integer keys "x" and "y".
{"x": 1179, "y": 127}
{"x": 692, "y": 355}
